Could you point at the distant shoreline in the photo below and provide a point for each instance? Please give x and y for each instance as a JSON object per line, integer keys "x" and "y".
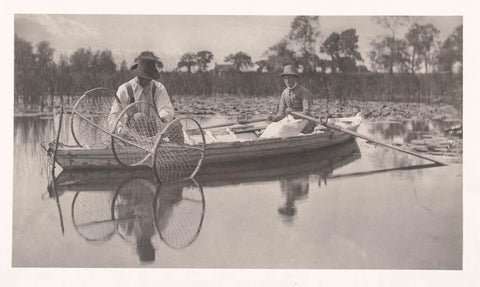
{"x": 32, "y": 114}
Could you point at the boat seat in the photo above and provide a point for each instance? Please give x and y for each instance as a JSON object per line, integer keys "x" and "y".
{"x": 211, "y": 136}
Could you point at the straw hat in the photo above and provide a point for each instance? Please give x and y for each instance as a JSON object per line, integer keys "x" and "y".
{"x": 290, "y": 70}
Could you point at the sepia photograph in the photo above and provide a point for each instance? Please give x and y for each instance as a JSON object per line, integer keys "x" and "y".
{"x": 297, "y": 142}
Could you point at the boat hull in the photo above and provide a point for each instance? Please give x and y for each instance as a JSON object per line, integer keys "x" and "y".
{"x": 72, "y": 158}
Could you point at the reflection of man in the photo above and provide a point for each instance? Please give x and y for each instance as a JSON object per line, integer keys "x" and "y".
{"x": 294, "y": 189}
{"x": 133, "y": 208}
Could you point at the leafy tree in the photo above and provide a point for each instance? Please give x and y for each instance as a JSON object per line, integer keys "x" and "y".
{"x": 124, "y": 72}
{"x": 26, "y": 80}
{"x": 203, "y": 60}
{"x": 309, "y": 61}
{"x": 82, "y": 69}
{"x": 263, "y": 65}
{"x": 104, "y": 68}
{"x": 422, "y": 39}
{"x": 331, "y": 47}
{"x": 104, "y": 62}
{"x": 413, "y": 39}
{"x": 46, "y": 68}
{"x": 451, "y": 51}
{"x": 305, "y": 32}
{"x": 187, "y": 60}
{"x": 65, "y": 82}
{"x": 91, "y": 70}
{"x": 349, "y": 45}
{"x": 385, "y": 52}
{"x": 239, "y": 60}
{"x": 280, "y": 55}
{"x": 389, "y": 54}
{"x": 343, "y": 50}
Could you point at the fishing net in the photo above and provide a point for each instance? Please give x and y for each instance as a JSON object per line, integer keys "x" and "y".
{"x": 91, "y": 119}
{"x": 132, "y": 209}
{"x": 179, "y": 208}
{"x": 179, "y": 151}
{"x": 138, "y": 136}
{"x": 136, "y": 129}
{"x": 91, "y": 215}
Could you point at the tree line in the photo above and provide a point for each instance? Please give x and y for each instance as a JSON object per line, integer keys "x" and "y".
{"x": 419, "y": 49}
{"x": 39, "y": 80}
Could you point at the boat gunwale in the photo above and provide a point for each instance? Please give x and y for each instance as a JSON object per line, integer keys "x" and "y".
{"x": 227, "y": 145}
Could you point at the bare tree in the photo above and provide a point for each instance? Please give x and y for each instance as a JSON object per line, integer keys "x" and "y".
{"x": 305, "y": 31}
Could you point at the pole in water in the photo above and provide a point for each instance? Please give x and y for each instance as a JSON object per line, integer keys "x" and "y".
{"x": 53, "y": 169}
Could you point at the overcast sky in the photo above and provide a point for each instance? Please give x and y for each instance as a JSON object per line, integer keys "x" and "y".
{"x": 171, "y": 36}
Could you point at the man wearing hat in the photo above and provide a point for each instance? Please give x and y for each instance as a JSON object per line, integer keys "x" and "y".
{"x": 144, "y": 87}
{"x": 295, "y": 97}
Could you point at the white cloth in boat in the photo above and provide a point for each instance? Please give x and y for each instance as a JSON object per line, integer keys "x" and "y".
{"x": 286, "y": 127}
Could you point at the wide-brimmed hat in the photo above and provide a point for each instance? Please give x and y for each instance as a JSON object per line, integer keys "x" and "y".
{"x": 145, "y": 67}
{"x": 290, "y": 70}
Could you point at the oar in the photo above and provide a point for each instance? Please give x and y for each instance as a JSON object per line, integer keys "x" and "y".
{"x": 335, "y": 127}
{"x": 362, "y": 173}
{"x": 235, "y": 123}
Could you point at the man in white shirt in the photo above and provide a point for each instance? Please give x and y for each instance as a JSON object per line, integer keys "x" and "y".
{"x": 143, "y": 87}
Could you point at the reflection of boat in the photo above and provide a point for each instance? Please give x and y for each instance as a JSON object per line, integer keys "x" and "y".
{"x": 136, "y": 209}
{"x": 320, "y": 162}
{"x": 226, "y": 144}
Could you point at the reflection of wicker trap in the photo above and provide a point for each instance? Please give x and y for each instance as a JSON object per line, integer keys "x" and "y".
{"x": 179, "y": 209}
{"x": 91, "y": 215}
{"x": 131, "y": 208}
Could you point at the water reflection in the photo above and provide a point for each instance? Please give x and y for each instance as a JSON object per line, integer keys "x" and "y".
{"x": 292, "y": 172}
{"x": 406, "y": 131}
{"x": 136, "y": 210}
{"x": 91, "y": 215}
{"x": 319, "y": 164}
{"x": 294, "y": 189}
{"x": 132, "y": 213}
{"x": 106, "y": 205}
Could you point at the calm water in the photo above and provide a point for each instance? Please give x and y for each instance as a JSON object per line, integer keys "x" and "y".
{"x": 303, "y": 211}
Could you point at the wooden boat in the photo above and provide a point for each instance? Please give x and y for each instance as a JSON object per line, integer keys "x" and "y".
{"x": 224, "y": 144}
